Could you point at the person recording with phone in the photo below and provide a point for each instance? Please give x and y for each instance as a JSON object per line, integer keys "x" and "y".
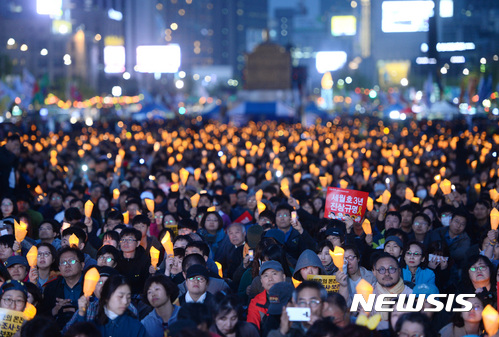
{"x": 309, "y": 301}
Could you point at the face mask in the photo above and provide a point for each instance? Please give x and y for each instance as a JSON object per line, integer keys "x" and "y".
{"x": 446, "y": 220}
{"x": 421, "y": 194}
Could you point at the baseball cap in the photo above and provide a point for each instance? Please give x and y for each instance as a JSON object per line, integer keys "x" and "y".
{"x": 395, "y": 239}
{"x": 276, "y": 234}
{"x": 197, "y": 270}
{"x": 270, "y": 265}
{"x": 16, "y": 259}
{"x": 279, "y": 295}
{"x": 13, "y": 285}
{"x": 335, "y": 231}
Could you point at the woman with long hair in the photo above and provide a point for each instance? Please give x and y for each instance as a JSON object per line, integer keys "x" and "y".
{"x": 227, "y": 318}
{"x": 113, "y": 316}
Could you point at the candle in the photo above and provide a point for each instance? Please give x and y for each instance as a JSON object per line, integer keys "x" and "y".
{"x": 385, "y": 197}
{"x": 32, "y": 256}
{"x": 409, "y": 194}
{"x": 364, "y": 288}
{"x": 154, "y": 256}
{"x": 244, "y": 187}
{"x": 195, "y": 200}
{"x": 197, "y": 173}
{"x": 20, "y": 230}
{"x": 433, "y": 189}
{"x": 116, "y": 194}
{"x": 297, "y": 177}
{"x": 494, "y": 218}
{"x": 74, "y": 241}
{"x": 167, "y": 244}
{"x": 91, "y": 278}
{"x": 29, "y": 311}
{"x": 149, "y": 204}
{"x": 220, "y": 272}
{"x": 490, "y": 319}
{"x": 366, "y": 226}
{"x": 370, "y": 204}
{"x": 323, "y": 181}
{"x": 259, "y": 195}
{"x": 126, "y": 218}
{"x": 261, "y": 207}
{"x": 343, "y": 183}
{"x": 296, "y": 283}
{"x": 337, "y": 256}
{"x": 445, "y": 186}
{"x": 89, "y": 206}
{"x": 184, "y": 175}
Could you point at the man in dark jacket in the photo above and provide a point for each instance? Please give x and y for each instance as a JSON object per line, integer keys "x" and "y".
{"x": 134, "y": 263}
{"x": 61, "y": 295}
{"x": 296, "y": 239}
{"x": 10, "y": 159}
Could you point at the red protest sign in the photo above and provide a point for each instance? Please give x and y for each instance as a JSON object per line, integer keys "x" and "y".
{"x": 341, "y": 202}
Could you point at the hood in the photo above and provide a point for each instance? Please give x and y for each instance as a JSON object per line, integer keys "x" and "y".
{"x": 308, "y": 258}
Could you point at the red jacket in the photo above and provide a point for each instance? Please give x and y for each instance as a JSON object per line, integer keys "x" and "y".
{"x": 258, "y": 308}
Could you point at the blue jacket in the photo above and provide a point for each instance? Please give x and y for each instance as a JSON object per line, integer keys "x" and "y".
{"x": 423, "y": 276}
{"x": 154, "y": 324}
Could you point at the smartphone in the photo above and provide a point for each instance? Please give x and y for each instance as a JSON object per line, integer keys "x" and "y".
{"x": 251, "y": 256}
{"x": 293, "y": 216}
{"x": 298, "y": 314}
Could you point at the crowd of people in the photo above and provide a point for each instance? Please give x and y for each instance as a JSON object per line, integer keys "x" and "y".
{"x": 237, "y": 215}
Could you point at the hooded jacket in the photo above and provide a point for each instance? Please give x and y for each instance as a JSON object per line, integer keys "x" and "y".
{"x": 308, "y": 259}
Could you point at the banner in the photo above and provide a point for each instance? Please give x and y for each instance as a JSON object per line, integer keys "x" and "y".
{"x": 328, "y": 281}
{"x": 341, "y": 202}
{"x": 11, "y": 322}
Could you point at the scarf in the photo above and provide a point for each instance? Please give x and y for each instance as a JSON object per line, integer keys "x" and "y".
{"x": 396, "y": 289}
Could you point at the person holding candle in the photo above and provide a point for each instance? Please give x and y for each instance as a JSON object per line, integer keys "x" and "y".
{"x": 421, "y": 226}
{"x": 113, "y": 316}
{"x": 88, "y": 307}
{"x": 134, "y": 262}
{"x": 88, "y": 250}
{"x": 323, "y": 253}
{"x": 142, "y": 223}
{"x": 46, "y": 268}
{"x": 227, "y": 322}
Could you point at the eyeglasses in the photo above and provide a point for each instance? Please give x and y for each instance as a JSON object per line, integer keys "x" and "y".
{"x": 7, "y": 204}
{"x": 127, "y": 240}
{"x": 480, "y": 268}
{"x": 68, "y": 262}
{"x": 197, "y": 279}
{"x": 350, "y": 258}
{"x": 416, "y": 254}
{"x": 8, "y": 301}
{"x": 55, "y": 198}
{"x": 282, "y": 216}
{"x": 105, "y": 259}
{"x": 420, "y": 224}
{"x": 173, "y": 221}
{"x": 311, "y": 303}
{"x": 383, "y": 270}
{"x": 408, "y": 334}
{"x": 477, "y": 307}
{"x": 44, "y": 254}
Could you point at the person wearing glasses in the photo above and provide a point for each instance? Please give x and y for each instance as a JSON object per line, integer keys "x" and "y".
{"x": 466, "y": 323}
{"x": 388, "y": 281}
{"x": 421, "y": 226}
{"x": 479, "y": 277}
{"x": 296, "y": 239}
{"x": 13, "y": 295}
{"x": 108, "y": 256}
{"x": 61, "y": 295}
{"x": 414, "y": 263}
{"x": 134, "y": 263}
{"x": 87, "y": 250}
{"x": 309, "y": 294}
{"x": 355, "y": 272}
{"x": 46, "y": 267}
{"x": 196, "y": 281}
